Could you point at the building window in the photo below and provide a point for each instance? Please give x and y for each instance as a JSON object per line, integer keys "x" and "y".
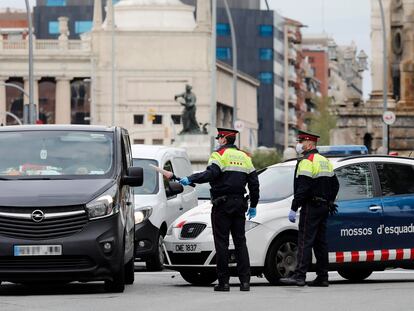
{"x": 266, "y": 54}
{"x": 176, "y": 118}
{"x": 266, "y": 30}
{"x": 82, "y": 26}
{"x": 138, "y": 119}
{"x": 56, "y": 3}
{"x": 80, "y": 102}
{"x": 157, "y": 119}
{"x": 223, "y": 30}
{"x": 53, "y": 28}
{"x": 266, "y": 77}
{"x": 139, "y": 141}
{"x": 223, "y": 53}
{"x": 156, "y": 141}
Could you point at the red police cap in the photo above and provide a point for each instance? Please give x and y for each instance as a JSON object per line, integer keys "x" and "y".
{"x": 303, "y": 135}
{"x": 223, "y": 132}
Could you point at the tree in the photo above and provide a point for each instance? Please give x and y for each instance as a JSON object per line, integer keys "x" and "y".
{"x": 265, "y": 158}
{"x": 322, "y": 120}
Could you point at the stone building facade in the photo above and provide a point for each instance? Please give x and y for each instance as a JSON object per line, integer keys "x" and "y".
{"x": 363, "y": 124}
{"x": 154, "y": 58}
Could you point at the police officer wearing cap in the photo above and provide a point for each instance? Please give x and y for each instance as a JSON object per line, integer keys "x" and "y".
{"x": 228, "y": 172}
{"x": 315, "y": 190}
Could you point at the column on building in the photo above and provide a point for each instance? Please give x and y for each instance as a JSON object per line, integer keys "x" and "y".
{"x": 203, "y": 14}
{"x": 3, "y": 100}
{"x": 63, "y": 109}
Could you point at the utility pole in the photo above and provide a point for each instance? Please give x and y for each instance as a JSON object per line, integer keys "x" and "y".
{"x": 385, "y": 78}
{"x": 213, "y": 116}
{"x": 29, "y": 116}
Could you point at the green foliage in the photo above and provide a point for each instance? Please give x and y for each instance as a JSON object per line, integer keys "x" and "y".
{"x": 322, "y": 120}
{"x": 264, "y": 158}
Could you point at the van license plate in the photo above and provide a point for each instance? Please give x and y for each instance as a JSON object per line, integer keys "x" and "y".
{"x": 37, "y": 250}
{"x": 186, "y": 248}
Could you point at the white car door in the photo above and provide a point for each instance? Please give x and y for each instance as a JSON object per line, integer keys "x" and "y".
{"x": 174, "y": 202}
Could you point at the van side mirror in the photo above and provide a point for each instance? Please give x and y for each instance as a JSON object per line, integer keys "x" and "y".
{"x": 134, "y": 177}
{"x": 173, "y": 189}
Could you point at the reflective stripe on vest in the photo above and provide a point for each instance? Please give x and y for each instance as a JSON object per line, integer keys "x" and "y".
{"x": 318, "y": 167}
{"x": 232, "y": 160}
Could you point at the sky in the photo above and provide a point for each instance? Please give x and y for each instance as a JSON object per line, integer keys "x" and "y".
{"x": 344, "y": 20}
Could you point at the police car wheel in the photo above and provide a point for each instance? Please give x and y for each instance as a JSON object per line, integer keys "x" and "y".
{"x": 200, "y": 278}
{"x": 355, "y": 275}
{"x": 156, "y": 261}
{"x": 281, "y": 258}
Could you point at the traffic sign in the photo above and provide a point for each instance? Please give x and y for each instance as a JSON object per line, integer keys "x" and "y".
{"x": 239, "y": 125}
{"x": 389, "y": 117}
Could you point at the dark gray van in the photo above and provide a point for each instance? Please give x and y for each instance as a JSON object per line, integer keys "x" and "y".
{"x": 66, "y": 204}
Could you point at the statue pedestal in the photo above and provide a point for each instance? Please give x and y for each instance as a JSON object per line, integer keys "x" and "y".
{"x": 197, "y": 147}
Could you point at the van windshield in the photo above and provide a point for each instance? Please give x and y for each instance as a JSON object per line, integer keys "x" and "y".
{"x": 56, "y": 154}
{"x": 276, "y": 183}
{"x": 150, "y": 185}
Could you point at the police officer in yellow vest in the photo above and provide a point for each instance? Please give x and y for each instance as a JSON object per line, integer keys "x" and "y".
{"x": 315, "y": 190}
{"x": 228, "y": 172}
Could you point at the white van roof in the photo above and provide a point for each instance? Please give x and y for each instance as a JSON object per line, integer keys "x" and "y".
{"x": 156, "y": 152}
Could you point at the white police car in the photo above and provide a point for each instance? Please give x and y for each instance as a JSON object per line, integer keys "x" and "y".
{"x": 373, "y": 230}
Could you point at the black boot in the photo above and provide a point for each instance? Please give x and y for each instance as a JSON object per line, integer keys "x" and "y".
{"x": 222, "y": 287}
{"x": 319, "y": 282}
{"x": 245, "y": 286}
{"x": 292, "y": 281}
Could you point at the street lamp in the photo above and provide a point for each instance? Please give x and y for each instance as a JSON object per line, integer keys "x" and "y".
{"x": 362, "y": 61}
{"x": 29, "y": 114}
{"x": 213, "y": 116}
{"x": 234, "y": 50}
{"x": 332, "y": 53}
{"x": 385, "y": 78}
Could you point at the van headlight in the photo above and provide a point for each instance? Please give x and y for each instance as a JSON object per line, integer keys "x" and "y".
{"x": 142, "y": 213}
{"x": 249, "y": 225}
{"x": 104, "y": 205}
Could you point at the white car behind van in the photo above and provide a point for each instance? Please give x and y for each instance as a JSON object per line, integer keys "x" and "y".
{"x": 158, "y": 202}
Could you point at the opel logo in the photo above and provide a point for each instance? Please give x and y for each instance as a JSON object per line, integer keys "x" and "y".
{"x": 38, "y": 216}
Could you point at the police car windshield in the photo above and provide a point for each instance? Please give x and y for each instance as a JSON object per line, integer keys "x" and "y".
{"x": 276, "y": 183}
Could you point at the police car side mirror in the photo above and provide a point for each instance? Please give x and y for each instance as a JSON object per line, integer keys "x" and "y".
{"x": 173, "y": 189}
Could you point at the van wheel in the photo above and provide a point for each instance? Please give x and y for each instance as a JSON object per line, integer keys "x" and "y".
{"x": 117, "y": 285}
{"x": 156, "y": 261}
{"x": 199, "y": 278}
{"x": 355, "y": 275}
{"x": 130, "y": 272}
{"x": 281, "y": 259}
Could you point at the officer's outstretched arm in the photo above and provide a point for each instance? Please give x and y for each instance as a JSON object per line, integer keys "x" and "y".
{"x": 212, "y": 172}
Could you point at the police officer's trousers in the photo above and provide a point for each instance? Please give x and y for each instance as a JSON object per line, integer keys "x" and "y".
{"x": 312, "y": 233}
{"x": 226, "y": 218}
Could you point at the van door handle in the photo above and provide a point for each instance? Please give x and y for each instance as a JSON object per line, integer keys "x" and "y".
{"x": 375, "y": 208}
{"x": 181, "y": 208}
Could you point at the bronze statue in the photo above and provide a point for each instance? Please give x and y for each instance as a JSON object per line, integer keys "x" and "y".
{"x": 190, "y": 125}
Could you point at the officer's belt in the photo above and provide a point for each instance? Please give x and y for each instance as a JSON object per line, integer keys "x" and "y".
{"x": 224, "y": 198}
{"x": 319, "y": 200}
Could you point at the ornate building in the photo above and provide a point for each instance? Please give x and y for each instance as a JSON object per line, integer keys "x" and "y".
{"x": 129, "y": 73}
{"x": 363, "y": 124}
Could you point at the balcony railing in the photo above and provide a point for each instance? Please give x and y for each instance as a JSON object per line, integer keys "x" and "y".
{"x": 45, "y": 45}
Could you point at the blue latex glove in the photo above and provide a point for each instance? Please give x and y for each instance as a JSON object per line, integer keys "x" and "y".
{"x": 185, "y": 181}
{"x": 251, "y": 212}
{"x": 292, "y": 216}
